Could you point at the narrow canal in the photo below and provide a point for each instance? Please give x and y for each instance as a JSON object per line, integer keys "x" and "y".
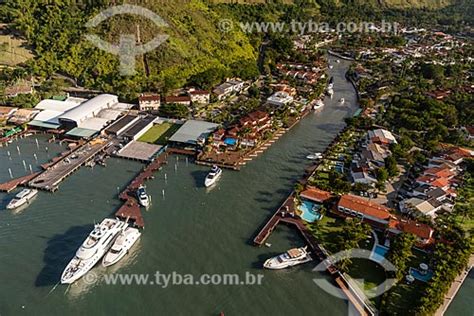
{"x": 189, "y": 230}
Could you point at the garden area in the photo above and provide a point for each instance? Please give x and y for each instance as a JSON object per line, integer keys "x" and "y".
{"x": 160, "y": 133}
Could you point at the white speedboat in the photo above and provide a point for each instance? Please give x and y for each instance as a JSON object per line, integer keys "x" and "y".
{"x": 92, "y": 249}
{"x": 213, "y": 176}
{"x": 143, "y": 198}
{"x": 121, "y": 246}
{"x": 338, "y": 61}
{"x": 22, "y": 198}
{"x": 342, "y": 100}
{"x": 318, "y": 104}
{"x": 315, "y": 156}
{"x": 330, "y": 92}
{"x": 290, "y": 258}
{"x": 331, "y": 66}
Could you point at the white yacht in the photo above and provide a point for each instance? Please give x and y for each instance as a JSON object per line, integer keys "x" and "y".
{"x": 290, "y": 258}
{"x": 93, "y": 249}
{"x": 143, "y": 198}
{"x": 213, "y": 176}
{"x": 121, "y": 246}
{"x": 342, "y": 100}
{"x": 331, "y": 66}
{"x": 22, "y": 198}
{"x": 338, "y": 61}
{"x": 315, "y": 156}
{"x": 318, "y": 104}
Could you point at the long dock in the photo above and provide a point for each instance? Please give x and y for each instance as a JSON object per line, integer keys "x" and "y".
{"x": 14, "y": 183}
{"x": 66, "y": 165}
{"x": 131, "y": 209}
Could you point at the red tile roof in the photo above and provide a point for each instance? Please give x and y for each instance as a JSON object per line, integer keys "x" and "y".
{"x": 149, "y": 97}
{"x": 175, "y": 99}
{"x": 420, "y": 230}
{"x": 365, "y": 207}
{"x": 316, "y": 195}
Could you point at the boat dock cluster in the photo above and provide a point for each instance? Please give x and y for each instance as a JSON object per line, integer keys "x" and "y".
{"x": 50, "y": 179}
{"x": 131, "y": 208}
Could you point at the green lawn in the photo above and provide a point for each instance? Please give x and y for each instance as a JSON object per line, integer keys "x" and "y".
{"x": 159, "y": 134}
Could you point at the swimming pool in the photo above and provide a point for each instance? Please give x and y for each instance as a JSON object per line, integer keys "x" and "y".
{"x": 419, "y": 276}
{"x": 379, "y": 253}
{"x": 307, "y": 212}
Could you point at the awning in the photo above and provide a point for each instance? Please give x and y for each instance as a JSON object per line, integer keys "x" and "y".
{"x": 44, "y": 124}
{"x": 81, "y": 132}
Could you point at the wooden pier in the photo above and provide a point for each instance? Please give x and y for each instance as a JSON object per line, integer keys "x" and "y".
{"x": 131, "y": 209}
{"x": 14, "y": 183}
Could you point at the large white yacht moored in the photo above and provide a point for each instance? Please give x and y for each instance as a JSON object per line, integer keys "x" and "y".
{"x": 93, "y": 249}
{"x": 143, "y": 197}
{"x": 121, "y": 246}
{"x": 213, "y": 176}
{"x": 22, "y": 198}
{"x": 290, "y": 258}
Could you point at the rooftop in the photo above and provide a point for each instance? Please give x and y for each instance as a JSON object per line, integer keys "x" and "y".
{"x": 363, "y": 206}
{"x": 316, "y": 195}
{"x": 192, "y": 131}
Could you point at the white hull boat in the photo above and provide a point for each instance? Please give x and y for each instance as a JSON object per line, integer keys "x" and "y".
{"x": 99, "y": 241}
{"x": 22, "y": 198}
{"x": 318, "y": 105}
{"x": 213, "y": 176}
{"x": 143, "y": 197}
{"x": 342, "y": 100}
{"x": 121, "y": 246}
{"x": 315, "y": 156}
{"x": 288, "y": 259}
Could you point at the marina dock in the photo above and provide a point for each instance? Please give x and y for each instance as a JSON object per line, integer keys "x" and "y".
{"x": 55, "y": 173}
{"x": 13, "y": 184}
{"x": 131, "y": 209}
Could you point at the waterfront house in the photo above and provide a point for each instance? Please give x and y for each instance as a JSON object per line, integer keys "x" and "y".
{"x": 149, "y": 102}
{"x": 280, "y": 98}
{"x": 373, "y": 213}
{"x": 316, "y": 195}
{"x": 423, "y": 232}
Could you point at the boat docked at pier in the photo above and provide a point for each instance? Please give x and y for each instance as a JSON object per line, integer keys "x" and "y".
{"x": 290, "y": 258}
{"x": 342, "y": 100}
{"x": 213, "y": 176}
{"x": 22, "y": 198}
{"x": 121, "y": 246}
{"x": 99, "y": 241}
{"x": 318, "y": 104}
{"x": 143, "y": 197}
{"x": 315, "y": 156}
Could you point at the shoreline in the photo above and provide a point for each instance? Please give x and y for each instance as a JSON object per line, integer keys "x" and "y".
{"x": 454, "y": 289}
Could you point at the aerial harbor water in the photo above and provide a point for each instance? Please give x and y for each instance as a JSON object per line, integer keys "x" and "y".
{"x": 189, "y": 230}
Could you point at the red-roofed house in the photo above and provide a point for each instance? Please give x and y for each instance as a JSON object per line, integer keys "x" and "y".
{"x": 423, "y": 232}
{"x": 200, "y": 96}
{"x": 184, "y": 100}
{"x": 316, "y": 195}
{"x": 434, "y": 181}
{"x": 373, "y": 213}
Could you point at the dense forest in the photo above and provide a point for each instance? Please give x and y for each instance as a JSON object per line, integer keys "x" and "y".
{"x": 197, "y": 51}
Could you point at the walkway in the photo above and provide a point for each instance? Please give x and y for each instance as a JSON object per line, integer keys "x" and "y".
{"x": 13, "y": 184}
{"x": 131, "y": 209}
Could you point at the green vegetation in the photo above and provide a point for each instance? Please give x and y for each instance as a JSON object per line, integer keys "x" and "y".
{"x": 160, "y": 133}
{"x": 174, "y": 110}
{"x": 400, "y": 253}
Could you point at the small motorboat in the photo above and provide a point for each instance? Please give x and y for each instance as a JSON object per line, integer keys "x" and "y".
{"x": 338, "y": 61}
{"x": 22, "y": 198}
{"x": 315, "y": 156}
{"x": 342, "y": 100}
{"x": 143, "y": 197}
{"x": 318, "y": 104}
{"x": 331, "y": 66}
{"x": 213, "y": 176}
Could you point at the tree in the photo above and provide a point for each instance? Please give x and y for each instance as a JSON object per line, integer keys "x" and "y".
{"x": 391, "y": 166}
{"x": 353, "y": 232}
{"x": 400, "y": 252}
{"x": 382, "y": 177}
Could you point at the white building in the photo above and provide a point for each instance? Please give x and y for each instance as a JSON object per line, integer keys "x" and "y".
{"x": 149, "y": 102}
{"x": 280, "y": 98}
{"x": 87, "y": 110}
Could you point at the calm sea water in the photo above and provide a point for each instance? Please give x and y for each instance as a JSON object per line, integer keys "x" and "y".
{"x": 189, "y": 230}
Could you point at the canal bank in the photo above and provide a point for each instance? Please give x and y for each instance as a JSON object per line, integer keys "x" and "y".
{"x": 190, "y": 230}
